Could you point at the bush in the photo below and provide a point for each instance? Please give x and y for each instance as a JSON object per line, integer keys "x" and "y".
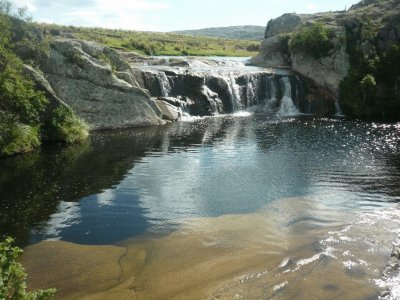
{"x": 13, "y": 276}
{"x": 18, "y": 96}
{"x": 17, "y": 138}
{"x": 28, "y": 42}
{"x": 313, "y": 40}
{"x": 64, "y": 126}
{"x": 17, "y": 93}
{"x": 369, "y": 90}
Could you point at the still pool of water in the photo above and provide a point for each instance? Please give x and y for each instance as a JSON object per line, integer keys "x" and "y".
{"x": 228, "y": 207}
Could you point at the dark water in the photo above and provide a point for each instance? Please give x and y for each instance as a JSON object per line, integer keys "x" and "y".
{"x": 122, "y": 184}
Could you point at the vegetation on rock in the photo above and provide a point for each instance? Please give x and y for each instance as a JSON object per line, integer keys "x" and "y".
{"x": 64, "y": 126}
{"x": 312, "y": 39}
{"x": 13, "y": 276}
{"x": 17, "y": 138}
{"x": 372, "y": 87}
{"x": 22, "y": 107}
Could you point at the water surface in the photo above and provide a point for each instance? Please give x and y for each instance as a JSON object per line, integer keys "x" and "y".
{"x": 252, "y": 205}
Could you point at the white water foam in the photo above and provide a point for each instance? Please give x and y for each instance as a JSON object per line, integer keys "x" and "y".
{"x": 287, "y": 107}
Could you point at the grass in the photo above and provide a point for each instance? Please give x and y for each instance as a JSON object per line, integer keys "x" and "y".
{"x": 66, "y": 127}
{"x": 18, "y": 138}
{"x": 156, "y": 43}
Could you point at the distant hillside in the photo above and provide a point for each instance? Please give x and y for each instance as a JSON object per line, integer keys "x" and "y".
{"x": 157, "y": 43}
{"x": 247, "y": 32}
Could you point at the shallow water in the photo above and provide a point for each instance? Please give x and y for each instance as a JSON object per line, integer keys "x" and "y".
{"x": 228, "y": 207}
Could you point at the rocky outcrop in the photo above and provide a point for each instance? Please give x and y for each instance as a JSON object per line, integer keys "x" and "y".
{"x": 99, "y": 86}
{"x": 43, "y": 85}
{"x": 368, "y": 26}
{"x": 326, "y": 72}
{"x": 284, "y": 24}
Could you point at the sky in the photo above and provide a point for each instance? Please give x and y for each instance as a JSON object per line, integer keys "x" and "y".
{"x": 170, "y": 15}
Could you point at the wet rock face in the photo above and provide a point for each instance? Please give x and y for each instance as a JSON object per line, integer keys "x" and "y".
{"x": 218, "y": 90}
{"x": 98, "y": 84}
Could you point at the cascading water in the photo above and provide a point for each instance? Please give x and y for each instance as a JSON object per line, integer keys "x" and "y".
{"x": 339, "y": 112}
{"x": 287, "y": 107}
{"x": 235, "y": 90}
{"x": 164, "y": 84}
{"x": 234, "y": 93}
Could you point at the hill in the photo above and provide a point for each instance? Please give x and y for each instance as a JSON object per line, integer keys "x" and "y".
{"x": 247, "y": 32}
{"x": 156, "y": 43}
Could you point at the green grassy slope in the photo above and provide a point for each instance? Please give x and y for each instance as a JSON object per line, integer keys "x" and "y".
{"x": 155, "y": 43}
{"x": 247, "y": 32}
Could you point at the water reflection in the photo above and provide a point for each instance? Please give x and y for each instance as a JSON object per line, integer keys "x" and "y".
{"x": 124, "y": 183}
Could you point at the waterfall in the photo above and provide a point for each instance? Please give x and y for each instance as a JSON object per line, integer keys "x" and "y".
{"x": 234, "y": 92}
{"x": 339, "y": 112}
{"x": 287, "y": 107}
{"x": 165, "y": 87}
{"x": 269, "y": 96}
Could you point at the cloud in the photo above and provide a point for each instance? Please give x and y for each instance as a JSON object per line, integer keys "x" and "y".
{"x": 119, "y": 14}
{"x": 129, "y": 5}
{"x": 312, "y": 7}
{"x": 29, "y": 4}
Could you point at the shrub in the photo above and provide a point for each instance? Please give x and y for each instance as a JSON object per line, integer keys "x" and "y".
{"x": 17, "y": 138}
{"x": 17, "y": 93}
{"x": 369, "y": 90}
{"x": 75, "y": 57}
{"x": 368, "y": 82}
{"x": 313, "y": 40}
{"x": 13, "y": 276}
{"x": 64, "y": 126}
{"x": 18, "y": 96}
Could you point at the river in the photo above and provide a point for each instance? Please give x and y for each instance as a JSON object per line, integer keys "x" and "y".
{"x": 245, "y": 206}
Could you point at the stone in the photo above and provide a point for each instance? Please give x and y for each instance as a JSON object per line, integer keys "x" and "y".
{"x": 283, "y": 24}
{"x": 169, "y": 112}
{"x": 270, "y": 55}
{"x": 396, "y": 252}
{"x": 103, "y": 97}
{"x": 43, "y": 85}
{"x": 384, "y": 294}
{"x": 393, "y": 263}
{"x": 206, "y": 102}
{"x": 390, "y": 33}
{"x": 327, "y": 72}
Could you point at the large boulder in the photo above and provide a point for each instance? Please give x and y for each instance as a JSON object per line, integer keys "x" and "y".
{"x": 43, "y": 85}
{"x": 283, "y": 24}
{"x": 272, "y": 53}
{"x": 326, "y": 72}
{"x": 98, "y": 84}
{"x": 169, "y": 111}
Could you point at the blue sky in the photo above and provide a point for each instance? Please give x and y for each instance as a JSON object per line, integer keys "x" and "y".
{"x": 168, "y": 15}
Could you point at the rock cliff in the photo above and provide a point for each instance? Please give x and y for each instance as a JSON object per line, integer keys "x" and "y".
{"x": 365, "y": 34}
{"x": 98, "y": 84}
